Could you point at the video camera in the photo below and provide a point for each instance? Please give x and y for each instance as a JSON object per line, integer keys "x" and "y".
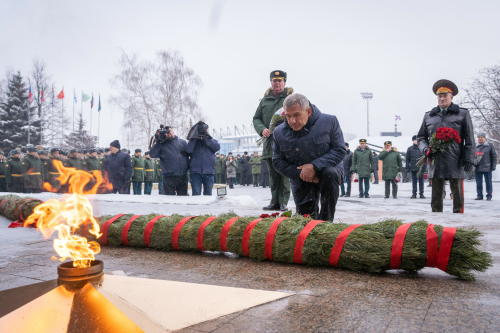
{"x": 160, "y": 135}
{"x": 199, "y": 131}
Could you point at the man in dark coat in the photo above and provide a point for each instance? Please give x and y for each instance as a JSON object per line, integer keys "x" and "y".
{"x": 202, "y": 168}
{"x": 174, "y": 163}
{"x": 119, "y": 168}
{"x": 246, "y": 170}
{"x": 3, "y": 181}
{"x": 309, "y": 149}
{"x": 458, "y": 157}
{"x": 487, "y": 156}
{"x": 347, "y": 172}
{"x": 375, "y": 167}
{"x": 268, "y": 106}
{"x": 264, "y": 174}
{"x": 363, "y": 165}
{"x": 413, "y": 154}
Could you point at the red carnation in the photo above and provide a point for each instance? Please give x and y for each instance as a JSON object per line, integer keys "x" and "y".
{"x": 264, "y": 216}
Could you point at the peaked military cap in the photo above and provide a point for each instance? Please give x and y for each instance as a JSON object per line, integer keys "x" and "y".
{"x": 31, "y": 149}
{"x": 92, "y": 150}
{"x": 74, "y": 150}
{"x": 106, "y": 150}
{"x": 347, "y": 144}
{"x": 54, "y": 149}
{"x": 100, "y": 151}
{"x": 41, "y": 152}
{"x": 387, "y": 143}
{"x": 444, "y": 86}
{"x": 146, "y": 153}
{"x": 14, "y": 152}
{"x": 277, "y": 74}
{"x": 138, "y": 150}
{"x": 362, "y": 140}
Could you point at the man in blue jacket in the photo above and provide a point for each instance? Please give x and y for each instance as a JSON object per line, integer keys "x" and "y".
{"x": 309, "y": 149}
{"x": 119, "y": 168}
{"x": 201, "y": 147}
{"x": 174, "y": 163}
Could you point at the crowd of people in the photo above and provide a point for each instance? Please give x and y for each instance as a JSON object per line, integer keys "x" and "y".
{"x": 306, "y": 154}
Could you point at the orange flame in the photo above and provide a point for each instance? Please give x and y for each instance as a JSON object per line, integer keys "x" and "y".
{"x": 69, "y": 213}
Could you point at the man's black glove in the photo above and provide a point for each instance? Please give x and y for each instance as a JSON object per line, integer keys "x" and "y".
{"x": 28, "y": 182}
{"x": 468, "y": 166}
{"x": 372, "y": 171}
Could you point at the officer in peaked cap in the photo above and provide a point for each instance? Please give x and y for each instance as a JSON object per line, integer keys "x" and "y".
{"x": 52, "y": 171}
{"x": 363, "y": 164}
{"x": 459, "y": 157}
{"x": 271, "y": 102}
{"x": 14, "y": 172}
{"x": 3, "y": 181}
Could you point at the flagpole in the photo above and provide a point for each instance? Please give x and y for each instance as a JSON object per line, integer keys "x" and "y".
{"x": 73, "y": 110}
{"x": 81, "y": 103}
{"x": 99, "y": 129}
{"x": 92, "y": 101}
{"x": 62, "y": 119}
{"x": 29, "y": 117}
{"x": 52, "y": 122}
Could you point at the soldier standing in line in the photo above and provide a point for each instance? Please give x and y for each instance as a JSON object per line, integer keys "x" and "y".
{"x": 91, "y": 164}
{"x": 149, "y": 175}
{"x": 138, "y": 173}
{"x": 3, "y": 180}
{"x": 256, "y": 169}
{"x": 158, "y": 175}
{"x": 458, "y": 157}
{"x": 73, "y": 161}
{"x": 269, "y": 104}
{"x": 45, "y": 166}
{"x": 52, "y": 171}
{"x": 362, "y": 164}
{"x": 392, "y": 165}
{"x": 32, "y": 172}
{"x": 14, "y": 172}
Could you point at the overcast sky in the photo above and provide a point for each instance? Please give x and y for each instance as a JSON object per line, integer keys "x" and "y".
{"x": 331, "y": 50}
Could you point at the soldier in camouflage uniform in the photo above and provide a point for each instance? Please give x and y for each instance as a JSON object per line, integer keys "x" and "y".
{"x": 149, "y": 176}
{"x": 14, "y": 172}
{"x": 33, "y": 173}
{"x": 271, "y": 102}
{"x": 138, "y": 171}
{"x": 256, "y": 168}
{"x": 52, "y": 173}
{"x": 3, "y": 180}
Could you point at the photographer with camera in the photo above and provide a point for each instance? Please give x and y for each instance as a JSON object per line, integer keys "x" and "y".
{"x": 174, "y": 162}
{"x": 202, "y": 149}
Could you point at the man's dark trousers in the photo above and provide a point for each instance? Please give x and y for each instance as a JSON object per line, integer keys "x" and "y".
{"x": 375, "y": 174}
{"x": 197, "y": 179}
{"x": 420, "y": 180}
{"x": 279, "y": 184}
{"x": 327, "y": 192}
{"x": 388, "y": 183}
{"x": 173, "y": 185}
{"x": 119, "y": 188}
{"x": 479, "y": 184}
{"x": 365, "y": 180}
{"x": 148, "y": 187}
{"x": 347, "y": 180}
{"x": 137, "y": 188}
{"x": 457, "y": 188}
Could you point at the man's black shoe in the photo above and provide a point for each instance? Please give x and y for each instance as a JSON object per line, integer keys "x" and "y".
{"x": 342, "y": 195}
{"x": 367, "y": 196}
{"x": 272, "y": 207}
{"x": 361, "y": 195}
{"x": 395, "y": 197}
{"x": 386, "y": 197}
{"x": 283, "y": 207}
{"x": 414, "y": 196}
{"x": 478, "y": 199}
{"x": 422, "y": 196}
{"x": 488, "y": 199}
{"x": 347, "y": 195}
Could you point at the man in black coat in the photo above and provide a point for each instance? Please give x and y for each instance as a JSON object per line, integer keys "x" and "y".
{"x": 309, "y": 149}
{"x": 118, "y": 168}
{"x": 413, "y": 154}
{"x": 458, "y": 157}
{"x": 485, "y": 167}
{"x": 347, "y": 173}
{"x": 246, "y": 170}
{"x": 174, "y": 163}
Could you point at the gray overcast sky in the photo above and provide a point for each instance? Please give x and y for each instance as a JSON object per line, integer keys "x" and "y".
{"x": 331, "y": 50}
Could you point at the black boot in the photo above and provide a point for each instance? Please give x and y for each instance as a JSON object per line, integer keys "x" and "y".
{"x": 283, "y": 208}
{"x": 422, "y": 196}
{"x": 342, "y": 195}
{"x": 414, "y": 196}
{"x": 272, "y": 207}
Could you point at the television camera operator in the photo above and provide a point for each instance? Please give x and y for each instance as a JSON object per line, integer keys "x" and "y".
{"x": 202, "y": 149}
{"x": 174, "y": 161}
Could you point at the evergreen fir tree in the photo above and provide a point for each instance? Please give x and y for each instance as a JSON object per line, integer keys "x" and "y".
{"x": 14, "y": 118}
{"x": 80, "y": 139}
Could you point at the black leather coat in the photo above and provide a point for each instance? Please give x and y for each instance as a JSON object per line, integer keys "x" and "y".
{"x": 449, "y": 164}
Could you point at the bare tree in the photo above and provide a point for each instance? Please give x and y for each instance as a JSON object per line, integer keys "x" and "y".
{"x": 482, "y": 97}
{"x": 40, "y": 81}
{"x": 150, "y": 93}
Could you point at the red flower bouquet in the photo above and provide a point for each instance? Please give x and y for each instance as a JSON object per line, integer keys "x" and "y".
{"x": 442, "y": 139}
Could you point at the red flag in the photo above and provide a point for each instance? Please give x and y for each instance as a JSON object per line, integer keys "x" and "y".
{"x": 61, "y": 94}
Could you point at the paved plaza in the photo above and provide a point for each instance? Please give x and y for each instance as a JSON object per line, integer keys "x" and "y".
{"x": 325, "y": 299}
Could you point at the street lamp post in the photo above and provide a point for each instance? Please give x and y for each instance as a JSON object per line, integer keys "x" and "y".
{"x": 367, "y": 96}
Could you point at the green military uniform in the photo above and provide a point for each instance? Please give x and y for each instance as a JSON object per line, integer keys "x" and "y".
{"x": 256, "y": 169}
{"x": 53, "y": 173}
{"x": 138, "y": 173}
{"x": 392, "y": 165}
{"x": 32, "y": 174}
{"x": 3, "y": 180}
{"x": 280, "y": 185}
{"x": 223, "y": 172}
{"x": 158, "y": 176}
{"x": 14, "y": 175}
{"x": 73, "y": 162}
{"x": 363, "y": 164}
{"x": 45, "y": 167}
{"x": 149, "y": 175}
{"x": 92, "y": 164}
{"x": 218, "y": 170}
